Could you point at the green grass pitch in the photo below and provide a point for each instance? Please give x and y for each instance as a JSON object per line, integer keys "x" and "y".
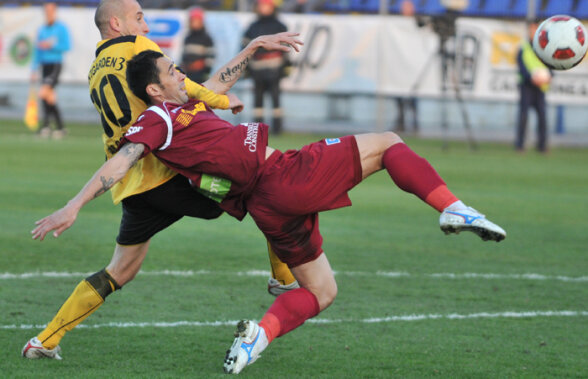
{"x": 381, "y": 325}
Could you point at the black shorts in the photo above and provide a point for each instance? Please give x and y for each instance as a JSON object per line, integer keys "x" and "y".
{"x": 149, "y": 212}
{"x": 50, "y": 72}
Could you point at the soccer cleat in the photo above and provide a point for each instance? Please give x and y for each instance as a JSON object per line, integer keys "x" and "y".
{"x": 34, "y": 350}
{"x": 45, "y": 132}
{"x": 469, "y": 219}
{"x": 58, "y": 134}
{"x": 274, "y": 287}
{"x": 250, "y": 341}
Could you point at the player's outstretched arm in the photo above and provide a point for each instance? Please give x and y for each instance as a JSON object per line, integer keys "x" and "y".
{"x": 107, "y": 176}
{"x": 223, "y": 79}
{"x": 214, "y": 89}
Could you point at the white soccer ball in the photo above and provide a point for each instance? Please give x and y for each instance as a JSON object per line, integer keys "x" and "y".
{"x": 560, "y": 42}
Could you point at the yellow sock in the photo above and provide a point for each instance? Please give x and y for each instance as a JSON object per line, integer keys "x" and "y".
{"x": 83, "y": 301}
{"x": 280, "y": 270}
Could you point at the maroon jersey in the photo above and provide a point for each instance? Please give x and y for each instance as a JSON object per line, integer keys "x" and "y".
{"x": 192, "y": 140}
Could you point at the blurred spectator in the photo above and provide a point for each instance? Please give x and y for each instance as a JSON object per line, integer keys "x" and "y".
{"x": 406, "y": 105}
{"x": 52, "y": 42}
{"x": 267, "y": 67}
{"x": 534, "y": 79}
{"x": 198, "y": 55}
{"x": 407, "y": 8}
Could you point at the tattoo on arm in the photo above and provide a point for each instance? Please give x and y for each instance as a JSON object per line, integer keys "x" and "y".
{"x": 133, "y": 151}
{"x": 231, "y": 74}
{"x": 106, "y": 184}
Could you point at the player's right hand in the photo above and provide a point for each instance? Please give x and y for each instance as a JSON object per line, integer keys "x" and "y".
{"x": 59, "y": 221}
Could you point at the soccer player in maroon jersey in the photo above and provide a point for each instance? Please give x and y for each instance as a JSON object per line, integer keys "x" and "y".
{"x": 283, "y": 192}
{"x": 152, "y": 196}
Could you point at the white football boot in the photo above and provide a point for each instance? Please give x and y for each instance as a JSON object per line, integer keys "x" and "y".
{"x": 45, "y": 132}
{"x": 250, "y": 341}
{"x": 274, "y": 287}
{"x": 34, "y": 350}
{"x": 469, "y": 219}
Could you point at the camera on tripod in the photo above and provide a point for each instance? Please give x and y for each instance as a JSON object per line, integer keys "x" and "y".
{"x": 444, "y": 24}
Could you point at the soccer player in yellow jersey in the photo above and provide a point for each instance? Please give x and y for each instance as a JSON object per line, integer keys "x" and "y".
{"x": 153, "y": 197}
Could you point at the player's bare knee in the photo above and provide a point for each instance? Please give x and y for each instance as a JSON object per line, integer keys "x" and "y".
{"x": 327, "y": 300}
{"x": 327, "y": 296}
{"x": 390, "y": 139}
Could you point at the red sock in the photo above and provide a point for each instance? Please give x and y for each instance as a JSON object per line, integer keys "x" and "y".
{"x": 414, "y": 174}
{"x": 288, "y": 312}
{"x": 440, "y": 198}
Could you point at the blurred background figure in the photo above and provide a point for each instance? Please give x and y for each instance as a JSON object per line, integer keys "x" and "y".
{"x": 198, "y": 55}
{"x": 534, "y": 79}
{"x": 406, "y": 105}
{"x": 52, "y": 42}
{"x": 267, "y": 67}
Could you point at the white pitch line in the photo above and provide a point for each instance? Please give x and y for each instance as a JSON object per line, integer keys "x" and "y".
{"x": 256, "y": 273}
{"x": 527, "y": 276}
{"x": 373, "y": 320}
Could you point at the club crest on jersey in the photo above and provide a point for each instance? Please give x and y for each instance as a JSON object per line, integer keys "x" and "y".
{"x": 332, "y": 141}
{"x": 186, "y": 116}
{"x": 198, "y": 107}
{"x": 133, "y": 130}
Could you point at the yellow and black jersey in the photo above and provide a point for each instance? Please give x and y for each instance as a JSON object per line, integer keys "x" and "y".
{"x": 119, "y": 108}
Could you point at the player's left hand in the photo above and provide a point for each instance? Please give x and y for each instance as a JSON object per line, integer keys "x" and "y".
{"x": 281, "y": 41}
{"x": 59, "y": 221}
{"x": 235, "y": 104}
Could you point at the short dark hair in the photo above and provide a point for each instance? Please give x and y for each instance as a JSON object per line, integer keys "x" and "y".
{"x": 141, "y": 71}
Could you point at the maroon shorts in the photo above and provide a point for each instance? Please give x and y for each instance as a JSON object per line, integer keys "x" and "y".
{"x": 295, "y": 186}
